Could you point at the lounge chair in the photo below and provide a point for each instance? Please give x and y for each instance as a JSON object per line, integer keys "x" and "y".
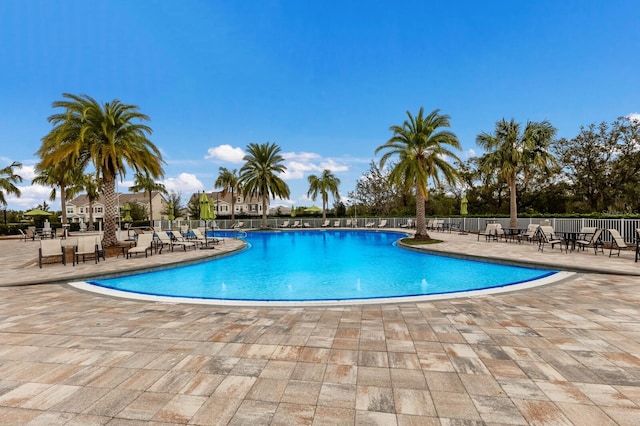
{"x": 325, "y": 223}
{"x": 489, "y": 231}
{"x": 349, "y": 224}
{"x": 530, "y": 233}
{"x": 284, "y": 224}
{"x": 382, "y": 223}
{"x": 164, "y": 240}
{"x": 429, "y": 224}
{"x": 336, "y": 224}
{"x": 179, "y": 240}
{"x": 32, "y": 233}
{"x": 306, "y": 225}
{"x": 89, "y": 246}
{"x": 370, "y": 224}
{"x": 143, "y": 244}
{"x": 591, "y": 239}
{"x": 202, "y": 238}
{"x": 618, "y": 242}
{"x": 499, "y": 233}
{"x": 50, "y": 248}
{"x": 296, "y": 224}
{"x": 23, "y": 236}
{"x": 237, "y": 225}
{"x": 546, "y": 235}
{"x": 408, "y": 224}
{"x": 438, "y": 225}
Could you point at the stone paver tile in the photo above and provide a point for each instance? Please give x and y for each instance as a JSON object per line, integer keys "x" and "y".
{"x": 248, "y": 367}
{"x": 269, "y": 390}
{"x": 192, "y": 363}
{"x": 339, "y": 373}
{"x": 407, "y": 420}
{"x": 337, "y": 395}
{"x": 314, "y": 355}
{"x": 234, "y": 387}
{"x": 308, "y": 371}
{"x": 180, "y": 409}
{"x": 88, "y": 420}
{"x": 330, "y": 416}
{"x": 581, "y": 414}
{"x": 436, "y": 362}
{"x": 540, "y": 371}
{"x": 372, "y": 344}
{"x": 498, "y": 410}
{"x": 631, "y": 392}
{"x": 444, "y": 382}
{"x": 605, "y": 395}
{"x": 484, "y": 385}
{"x": 373, "y": 376}
{"x": 202, "y": 384}
{"x": 563, "y": 392}
{"x": 503, "y": 368}
{"x": 375, "y": 418}
{"x": 625, "y": 416}
{"x": 111, "y": 403}
{"x": 278, "y": 369}
{"x": 346, "y": 344}
{"x": 287, "y": 353}
{"x": 401, "y": 345}
{"x": 22, "y": 394}
{"x": 343, "y": 356}
{"x": 142, "y": 379}
{"x": 51, "y": 418}
{"x": 254, "y": 413}
{"x": 300, "y": 392}
{"x": 374, "y": 398}
{"x": 521, "y": 389}
{"x": 541, "y": 413}
{"x": 415, "y": 402}
{"x": 220, "y": 365}
{"x": 293, "y": 414}
{"x": 80, "y": 401}
{"x": 404, "y": 360}
{"x": 373, "y": 359}
{"x": 455, "y": 406}
{"x": 172, "y": 382}
{"x": 410, "y": 379}
{"x": 216, "y": 411}
{"x": 50, "y": 397}
{"x": 110, "y": 378}
{"x": 17, "y": 416}
{"x": 146, "y": 406}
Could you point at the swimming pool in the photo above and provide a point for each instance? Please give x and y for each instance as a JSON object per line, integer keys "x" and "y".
{"x": 323, "y": 265}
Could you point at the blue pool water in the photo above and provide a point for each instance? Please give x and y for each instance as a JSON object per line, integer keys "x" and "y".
{"x": 323, "y": 265}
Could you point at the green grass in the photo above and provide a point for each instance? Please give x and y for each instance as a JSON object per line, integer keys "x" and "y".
{"x": 413, "y": 242}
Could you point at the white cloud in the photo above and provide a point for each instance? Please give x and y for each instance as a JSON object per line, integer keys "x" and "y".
{"x": 225, "y": 152}
{"x": 300, "y": 164}
{"x": 185, "y": 183}
{"x": 634, "y": 116}
{"x": 470, "y": 153}
{"x": 30, "y": 197}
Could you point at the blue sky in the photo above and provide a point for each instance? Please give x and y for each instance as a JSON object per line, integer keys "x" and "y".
{"x": 323, "y": 79}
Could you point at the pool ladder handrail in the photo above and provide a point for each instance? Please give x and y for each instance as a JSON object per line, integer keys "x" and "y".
{"x": 239, "y": 234}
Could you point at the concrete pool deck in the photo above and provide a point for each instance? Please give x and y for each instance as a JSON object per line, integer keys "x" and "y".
{"x": 565, "y": 353}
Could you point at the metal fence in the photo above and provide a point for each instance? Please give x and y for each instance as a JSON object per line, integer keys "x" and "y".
{"x": 626, "y": 227}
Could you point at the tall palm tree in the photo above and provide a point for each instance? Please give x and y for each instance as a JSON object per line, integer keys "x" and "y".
{"x": 110, "y": 137}
{"x": 8, "y": 179}
{"x": 229, "y": 181}
{"x": 421, "y": 147}
{"x": 90, "y": 185}
{"x": 323, "y": 185}
{"x": 259, "y": 175}
{"x": 511, "y": 153}
{"x": 145, "y": 183}
{"x": 60, "y": 176}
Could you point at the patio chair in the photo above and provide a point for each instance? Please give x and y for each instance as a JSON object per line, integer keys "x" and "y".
{"x": 325, "y": 223}
{"x": 296, "y": 224}
{"x": 179, "y": 240}
{"x": 489, "y": 231}
{"x": 370, "y": 224}
{"x": 349, "y": 224}
{"x": 408, "y": 224}
{"x": 546, "y": 235}
{"x": 336, "y": 224}
{"x": 383, "y": 223}
{"x": 202, "y": 238}
{"x": 164, "y": 240}
{"x": 23, "y": 236}
{"x": 306, "y": 225}
{"x": 143, "y": 245}
{"x": 284, "y": 224}
{"x": 32, "y": 233}
{"x": 531, "y": 233}
{"x": 617, "y": 243}
{"x": 87, "y": 247}
{"x": 591, "y": 240}
{"x": 49, "y": 249}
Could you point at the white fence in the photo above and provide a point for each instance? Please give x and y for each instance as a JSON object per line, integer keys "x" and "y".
{"x": 626, "y": 227}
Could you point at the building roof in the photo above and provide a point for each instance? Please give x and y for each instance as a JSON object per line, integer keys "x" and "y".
{"x": 140, "y": 197}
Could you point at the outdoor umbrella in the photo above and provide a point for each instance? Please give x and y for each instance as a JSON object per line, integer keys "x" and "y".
{"x": 293, "y": 211}
{"x": 463, "y": 206}
{"x": 171, "y": 215}
{"x": 205, "y": 210}
{"x": 37, "y": 212}
{"x": 127, "y": 213}
{"x": 313, "y": 209}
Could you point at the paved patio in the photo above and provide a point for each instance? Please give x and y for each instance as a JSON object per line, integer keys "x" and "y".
{"x": 567, "y": 353}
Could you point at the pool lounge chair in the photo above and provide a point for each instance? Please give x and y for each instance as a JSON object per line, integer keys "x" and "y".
{"x": 203, "y": 239}
{"x": 617, "y": 243}
{"x": 325, "y": 224}
{"x": 89, "y": 246}
{"x": 383, "y": 223}
{"x": 530, "y": 233}
{"x": 144, "y": 244}
{"x": 306, "y": 225}
{"x": 237, "y": 225}
{"x": 546, "y": 235}
{"x": 489, "y": 231}
{"x": 296, "y": 224}
{"x": 591, "y": 240}
{"x": 370, "y": 224}
{"x": 284, "y": 224}
{"x": 349, "y": 224}
{"x": 408, "y": 224}
{"x": 336, "y": 224}
{"x": 49, "y": 249}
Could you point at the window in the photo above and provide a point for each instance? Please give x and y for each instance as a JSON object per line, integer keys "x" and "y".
{"x": 99, "y": 209}
{"x": 81, "y": 210}
{"x": 69, "y": 210}
{"x": 239, "y": 200}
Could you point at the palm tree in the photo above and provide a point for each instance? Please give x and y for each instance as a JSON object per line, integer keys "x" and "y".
{"x": 8, "y": 179}
{"x": 323, "y": 185}
{"x": 228, "y": 180}
{"x": 511, "y": 152}
{"x": 145, "y": 183}
{"x": 90, "y": 185}
{"x": 422, "y": 155}
{"x": 108, "y": 136}
{"x": 259, "y": 175}
{"x": 62, "y": 176}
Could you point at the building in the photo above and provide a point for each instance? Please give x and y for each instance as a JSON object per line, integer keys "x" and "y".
{"x": 78, "y": 208}
{"x": 250, "y": 206}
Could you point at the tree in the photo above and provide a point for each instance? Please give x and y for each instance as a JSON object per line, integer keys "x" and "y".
{"x": 111, "y": 137}
{"x": 90, "y": 185}
{"x": 62, "y": 176}
{"x": 229, "y": 182}
{"x": 375, "y": 194}
{"x": 422, "y": 155}
{"x": 8, "y": 179}
{"x": 324, "y": 185}
{"x": 174, "y": 198}
{"x": 259, "y": 175}
{"x": 511, "y": 153}
{"x": 145, "y": 183}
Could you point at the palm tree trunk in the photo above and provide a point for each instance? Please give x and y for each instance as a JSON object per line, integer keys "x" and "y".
{"x": 264, "y": 212}
{"x": 109, "y": 192}
{"x": 421, "y": 224}
{"x": 513, "y": 204}
{"x": 91, "y": 227}
{"x": 324, "y": 211}
{"x": 63, "y": 202}
{"x": 233, "y": 207}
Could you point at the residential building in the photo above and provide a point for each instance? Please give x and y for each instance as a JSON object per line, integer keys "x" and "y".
{"x": 250, "y": 206}
{"x": 78, "y": 208}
